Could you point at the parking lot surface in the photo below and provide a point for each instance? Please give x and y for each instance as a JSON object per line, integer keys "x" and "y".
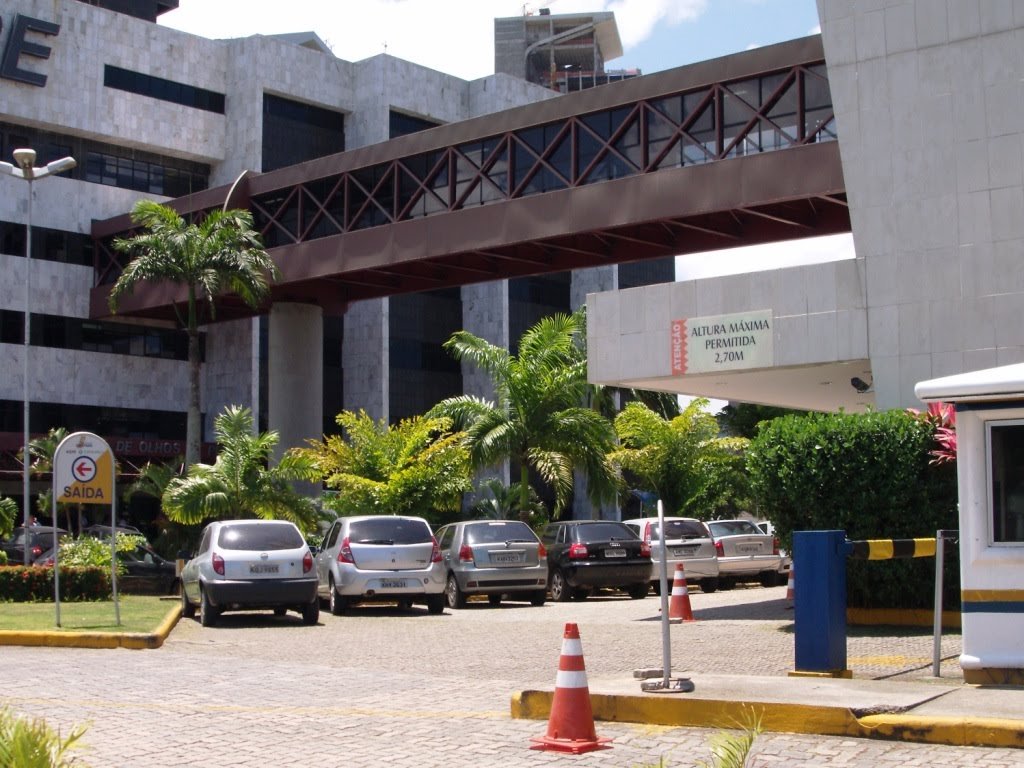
{"x": 387, "y": 687}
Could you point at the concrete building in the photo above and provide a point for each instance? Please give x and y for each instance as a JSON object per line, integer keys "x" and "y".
{"x": 928, "y": 105}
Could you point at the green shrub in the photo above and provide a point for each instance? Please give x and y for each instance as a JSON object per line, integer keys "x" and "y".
{"x": 34, "y": 584}
{"x": 868, "y": 475}
{"x": 28, "y": 743}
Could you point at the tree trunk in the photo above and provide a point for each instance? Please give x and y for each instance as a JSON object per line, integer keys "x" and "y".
{"x": 524, "y": 490}
{"x": 193, "y": 430}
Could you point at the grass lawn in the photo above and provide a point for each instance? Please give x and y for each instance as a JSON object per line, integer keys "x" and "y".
{"x": 139, "y": 613}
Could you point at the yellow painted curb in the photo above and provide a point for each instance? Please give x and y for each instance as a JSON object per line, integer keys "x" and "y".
{"x": 132, "y": 640}
{"x": 664, "y": 709}
{"x": 896, "y": 617}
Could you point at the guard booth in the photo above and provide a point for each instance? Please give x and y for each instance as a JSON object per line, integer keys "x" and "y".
{"x": 990, "y": 474}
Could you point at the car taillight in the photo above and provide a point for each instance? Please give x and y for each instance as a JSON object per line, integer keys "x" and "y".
{"x": 541, "y": 551}
{"x": 345, "y": 552}
{"x": 775, "y": 546}
{"x": 218, "y": 564}
{"x": 577, "y": 551}
{"x": 466, "y": 553}
{"x": 307, "y": 563}
{"x": 719, "y": 549}
{"x": 645, "y": 549}
{"x": 435, "y": 553}
{"x": 37, "y": 551}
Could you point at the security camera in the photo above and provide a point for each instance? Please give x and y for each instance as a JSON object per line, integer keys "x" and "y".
{"x": 859, "y": 384}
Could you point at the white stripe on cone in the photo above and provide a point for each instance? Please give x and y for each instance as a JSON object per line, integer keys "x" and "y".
{"x": 569, "y": 679}
{"x": 572, "y": 647}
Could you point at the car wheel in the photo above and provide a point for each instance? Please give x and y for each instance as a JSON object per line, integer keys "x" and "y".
{"x": 560, "y": 590}
{"x": 726, "y": 584}
{"x": 311, "y": 612}
{"x": 494, "y": 600}
{"x": 656, "y": 587}
{"x": 454, "y": 596}
{"x": 580, "y": 594}
{"x": 187, "y": 609}
{"x": 769, "y": 579}
{"x": 707, "y": 586}
{"x": 280, "y": 611}
{"x": 638, "y": 591}
{"x": 337, "y": 602}
{"x": 435, "y": 604}
{"x": 207, "y": 613}
{"x": 538, "y": 598}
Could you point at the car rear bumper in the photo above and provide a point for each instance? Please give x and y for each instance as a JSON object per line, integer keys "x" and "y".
{"x": 600, "y": 575}
{"x": 498, "y": 580}
{"x": 357, "y": 583}
{"x": 735, "y": 566}
{"x": 261, "y": 593}
{"x": 694, "y": 568}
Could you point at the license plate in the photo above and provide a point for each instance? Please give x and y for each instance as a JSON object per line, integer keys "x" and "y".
{"x": 392, "y": 584}
{"x": 615, "y": 553}
{"x": 748, "y": 549}
{"x": 683, "y": 551}
{"x": 263, "y": 569}
{"x": 506, "y": 558}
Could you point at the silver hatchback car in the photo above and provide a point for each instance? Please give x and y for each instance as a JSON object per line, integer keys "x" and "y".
{"x": 493, "y": 558}
{"x": 380, "y": 558}
{"x": 249, "y": 565}
{"x": 689, "y": 543}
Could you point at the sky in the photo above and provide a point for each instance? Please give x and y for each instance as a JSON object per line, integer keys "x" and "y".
{"x": 457, "y": 37}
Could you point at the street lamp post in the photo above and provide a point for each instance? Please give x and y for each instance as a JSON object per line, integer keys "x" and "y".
{"x": 25, "y": 169}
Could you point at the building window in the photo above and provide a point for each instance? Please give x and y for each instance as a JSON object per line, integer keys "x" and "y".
{"x": 164, "y": 90}
{"x": 294, "y": 132}
{"x": 401, "y": 124}
{"x": 1006, "y": 473}
{"x": 47, "y": 244}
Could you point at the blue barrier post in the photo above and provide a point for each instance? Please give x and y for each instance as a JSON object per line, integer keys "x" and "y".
{"x": 819, "y": 565}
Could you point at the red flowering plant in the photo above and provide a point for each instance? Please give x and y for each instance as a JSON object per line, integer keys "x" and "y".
{"x": 942, "y": 416}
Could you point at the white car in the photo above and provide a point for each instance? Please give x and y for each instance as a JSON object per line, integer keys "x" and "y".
{"x": 745, "y": 553}
{"x": 246, "y": 565}
{"x": 689, "y": 543}
{"x": 380, "y": 557}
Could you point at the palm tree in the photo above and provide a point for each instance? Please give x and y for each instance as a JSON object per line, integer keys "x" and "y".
{"x": 415, "y": 467}
{"x": 683, "y": 460}
{"x": 41, "y": 451}
{"x": 220, "y": 253}
{"x": 503, "y": 502}
{"x": 240, "y": 484}
{"x": 537, "y": 419}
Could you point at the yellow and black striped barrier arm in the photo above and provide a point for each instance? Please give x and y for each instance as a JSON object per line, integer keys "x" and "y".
{"x": 887, "y": 549}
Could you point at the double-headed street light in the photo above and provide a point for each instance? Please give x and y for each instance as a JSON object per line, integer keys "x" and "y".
{"x": 25, "y": 160}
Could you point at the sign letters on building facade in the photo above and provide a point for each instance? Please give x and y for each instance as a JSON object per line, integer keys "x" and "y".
{"x": 19, "y": 45}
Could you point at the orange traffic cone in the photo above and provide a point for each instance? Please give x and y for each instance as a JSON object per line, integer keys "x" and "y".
{"x": 571, "y": 724}
{"x": 679, "y": 607}
{"x": 791, "y": 585}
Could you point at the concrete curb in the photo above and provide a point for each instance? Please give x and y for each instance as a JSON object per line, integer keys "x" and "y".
{"x": 131, "y": 640}
{"x": 667, "y": 709}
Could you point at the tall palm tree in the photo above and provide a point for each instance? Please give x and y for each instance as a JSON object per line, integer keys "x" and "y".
{"x": 537, "y": 419}
{"x": 240, "y": 483}
{"x": 220, "y": 253}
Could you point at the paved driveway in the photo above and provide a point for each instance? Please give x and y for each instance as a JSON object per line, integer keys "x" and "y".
{"x": 382, "y": 687}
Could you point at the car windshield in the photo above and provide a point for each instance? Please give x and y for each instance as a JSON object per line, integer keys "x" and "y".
{"x": 681, "y": 529}
{"x": 505, "y": 530}
{"x": 265, "y": 536}
{"x": 388, "y": 530}
{"x": 733, "y": 528}
{"x": 603, "y": 532}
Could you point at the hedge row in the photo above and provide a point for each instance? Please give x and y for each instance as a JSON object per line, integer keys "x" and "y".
{"x": 871, "y": 476}
{"x": 21, "y": 584}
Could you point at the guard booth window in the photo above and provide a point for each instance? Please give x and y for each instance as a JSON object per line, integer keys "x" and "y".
{"x": 1006, "y": 486}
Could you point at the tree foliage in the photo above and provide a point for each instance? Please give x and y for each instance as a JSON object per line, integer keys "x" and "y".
{"x": 537, "y": 418}
{"x": 692, "y": 470}
{"x": 866, "y": 474}
{"x": 240, "y": 483}
{"x": 221, "y": 253}
{"x": 742, "y": 419}
{"x": 32, "y": 743}
{"x": 8, "y": 514}
{"x": 416, "y": 467}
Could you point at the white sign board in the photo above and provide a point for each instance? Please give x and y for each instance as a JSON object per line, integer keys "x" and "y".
{"x": 722, "y": 342}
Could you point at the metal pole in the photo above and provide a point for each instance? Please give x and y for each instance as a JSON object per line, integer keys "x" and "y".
{"x": 56, "y": 561}
{"x": 937, "y": 619}
{"x": 666, "y": 649}
{"x": 28, "y": 326}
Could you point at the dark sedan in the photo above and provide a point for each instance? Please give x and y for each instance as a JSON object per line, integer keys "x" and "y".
{"x": 584, "y": 555}
{"x": 37, "y": 539}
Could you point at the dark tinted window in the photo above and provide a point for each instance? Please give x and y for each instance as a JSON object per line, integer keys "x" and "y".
{"x": 265, "y": 536}
{"x": 602, "y": 531}
{"x": 505, "y": 530}
{"x": 164, "y": 90}
{"x": 388, "y": 530}
{"x": 733, "y": 528}
{"x": 680, "y": 529}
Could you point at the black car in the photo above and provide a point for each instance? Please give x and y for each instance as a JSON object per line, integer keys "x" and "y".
{"x": 37, "y": 538}
{"x": 146, "y": 570}
{"x": 587, "y": 554}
